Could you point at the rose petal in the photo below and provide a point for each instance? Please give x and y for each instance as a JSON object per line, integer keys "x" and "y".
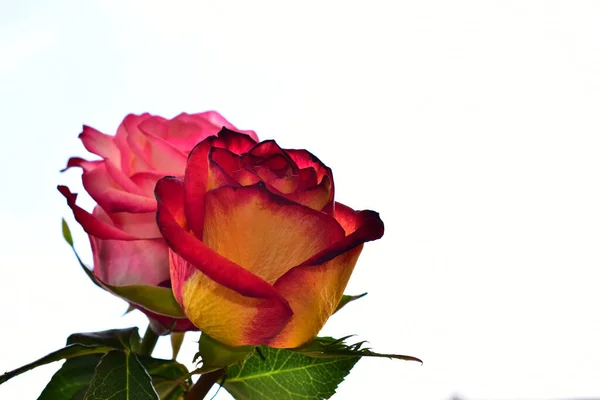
{"x": 130, "y": 162}
{"x": 218, "y": 120}
{"x": 225, "y": 314}
{"x": 139, "y": 262}
{"x": 264, "y": 233}
{"x": 271, "y": 159}
{"x": 313, "y": 293}
{"x": 91, "y": 224}
{"x": 140, "y": 225}
{"x": 100, "y": 144}
{"x": 218, "y": 290}
{"x": 223, "y": 164}
{"x": 305, "y": 159}
{"x": 85, "y": 165}
{"x": 111, "y": 196}
{"x": 217, "y": 267}
{"x": 317, "y": 197}
{"x": 315, "y": 287}
{"x": 121, "y": 179}
{"x": 156, "y": 126}
{"x": 185, "y": 131}
{"x": 156, "y": 152}
{"x": 196, "y": 173}
{"x": 307, "y": 178}
{"x": 146, "y": 181}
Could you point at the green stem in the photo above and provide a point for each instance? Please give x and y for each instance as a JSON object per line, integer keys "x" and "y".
{"x": 202, "y": 387}
{"x": 148, "y": 342}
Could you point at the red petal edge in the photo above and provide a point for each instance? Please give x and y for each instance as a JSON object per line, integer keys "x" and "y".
{"x": 92, "y": 225}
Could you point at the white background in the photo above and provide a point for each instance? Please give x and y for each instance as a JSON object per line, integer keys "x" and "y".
{"x": 472, "y": 127}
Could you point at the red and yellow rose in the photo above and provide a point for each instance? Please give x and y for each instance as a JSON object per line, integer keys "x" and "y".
{"x": 259, "y": 251}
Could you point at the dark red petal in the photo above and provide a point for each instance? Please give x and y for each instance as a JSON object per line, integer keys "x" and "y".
{"x": 307, "y": 178}
{"x": 196, "y": 185}
{"x": 197, "y": 173}
{"x": 268, "y": 154}
{"x": 222, "y": 165}
{"x": 305, "y": 159}
{"x": 366, "y": 225}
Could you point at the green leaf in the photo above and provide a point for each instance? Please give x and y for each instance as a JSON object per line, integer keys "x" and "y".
{"x": 153, "y": 298}
{"x": 73, "y": 378}
{"x": 83, "y": 344}
{"x": 70, "y": 351}
{"x": 127, "y": 338}
{"x": 347, "y": 299}
{"x": 328, "y": 347}
{"x": 216, "y": 355}
{"x": 284, "y": 374}
{"x": 169, "y": 378}
{"x": 120, "y": 376}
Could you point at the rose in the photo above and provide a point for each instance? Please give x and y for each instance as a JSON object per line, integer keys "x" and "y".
{"x": 259, "y": 251}
{"x": 126, "y": 244}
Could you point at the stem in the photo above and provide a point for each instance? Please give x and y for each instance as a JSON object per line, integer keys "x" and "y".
{"x": 202, "y": 387}
{"x": 148, "y": 342}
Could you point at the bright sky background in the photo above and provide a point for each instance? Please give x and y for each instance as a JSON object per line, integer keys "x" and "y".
{"x": 472, "y": 127}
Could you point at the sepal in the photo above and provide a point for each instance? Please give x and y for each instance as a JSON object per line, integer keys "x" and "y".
{"x": 216, "y": 355}
{"x": 156, "y": 299}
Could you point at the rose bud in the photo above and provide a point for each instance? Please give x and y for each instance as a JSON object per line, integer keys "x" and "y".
{"x": 259, "y": 251}
{"x": 127, "y": 246}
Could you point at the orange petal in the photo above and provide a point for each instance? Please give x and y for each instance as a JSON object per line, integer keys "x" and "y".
{"x": 315, "y": 287}
{"x": 316, "y": 197}
{"x": 264, "y": 233}
{"x": 225, "y": 314}
{"x": 313, "y": 293}
{"x": 217, "y": 295}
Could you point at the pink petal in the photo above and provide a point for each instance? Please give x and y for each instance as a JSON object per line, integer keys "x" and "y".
{"x": 91, "y": 224}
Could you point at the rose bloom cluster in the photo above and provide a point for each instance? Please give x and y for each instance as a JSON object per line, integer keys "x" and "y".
{"x": 247, "y": 235}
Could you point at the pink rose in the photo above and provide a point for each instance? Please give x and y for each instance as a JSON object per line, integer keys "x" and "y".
{"x": 127, "y": 246}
